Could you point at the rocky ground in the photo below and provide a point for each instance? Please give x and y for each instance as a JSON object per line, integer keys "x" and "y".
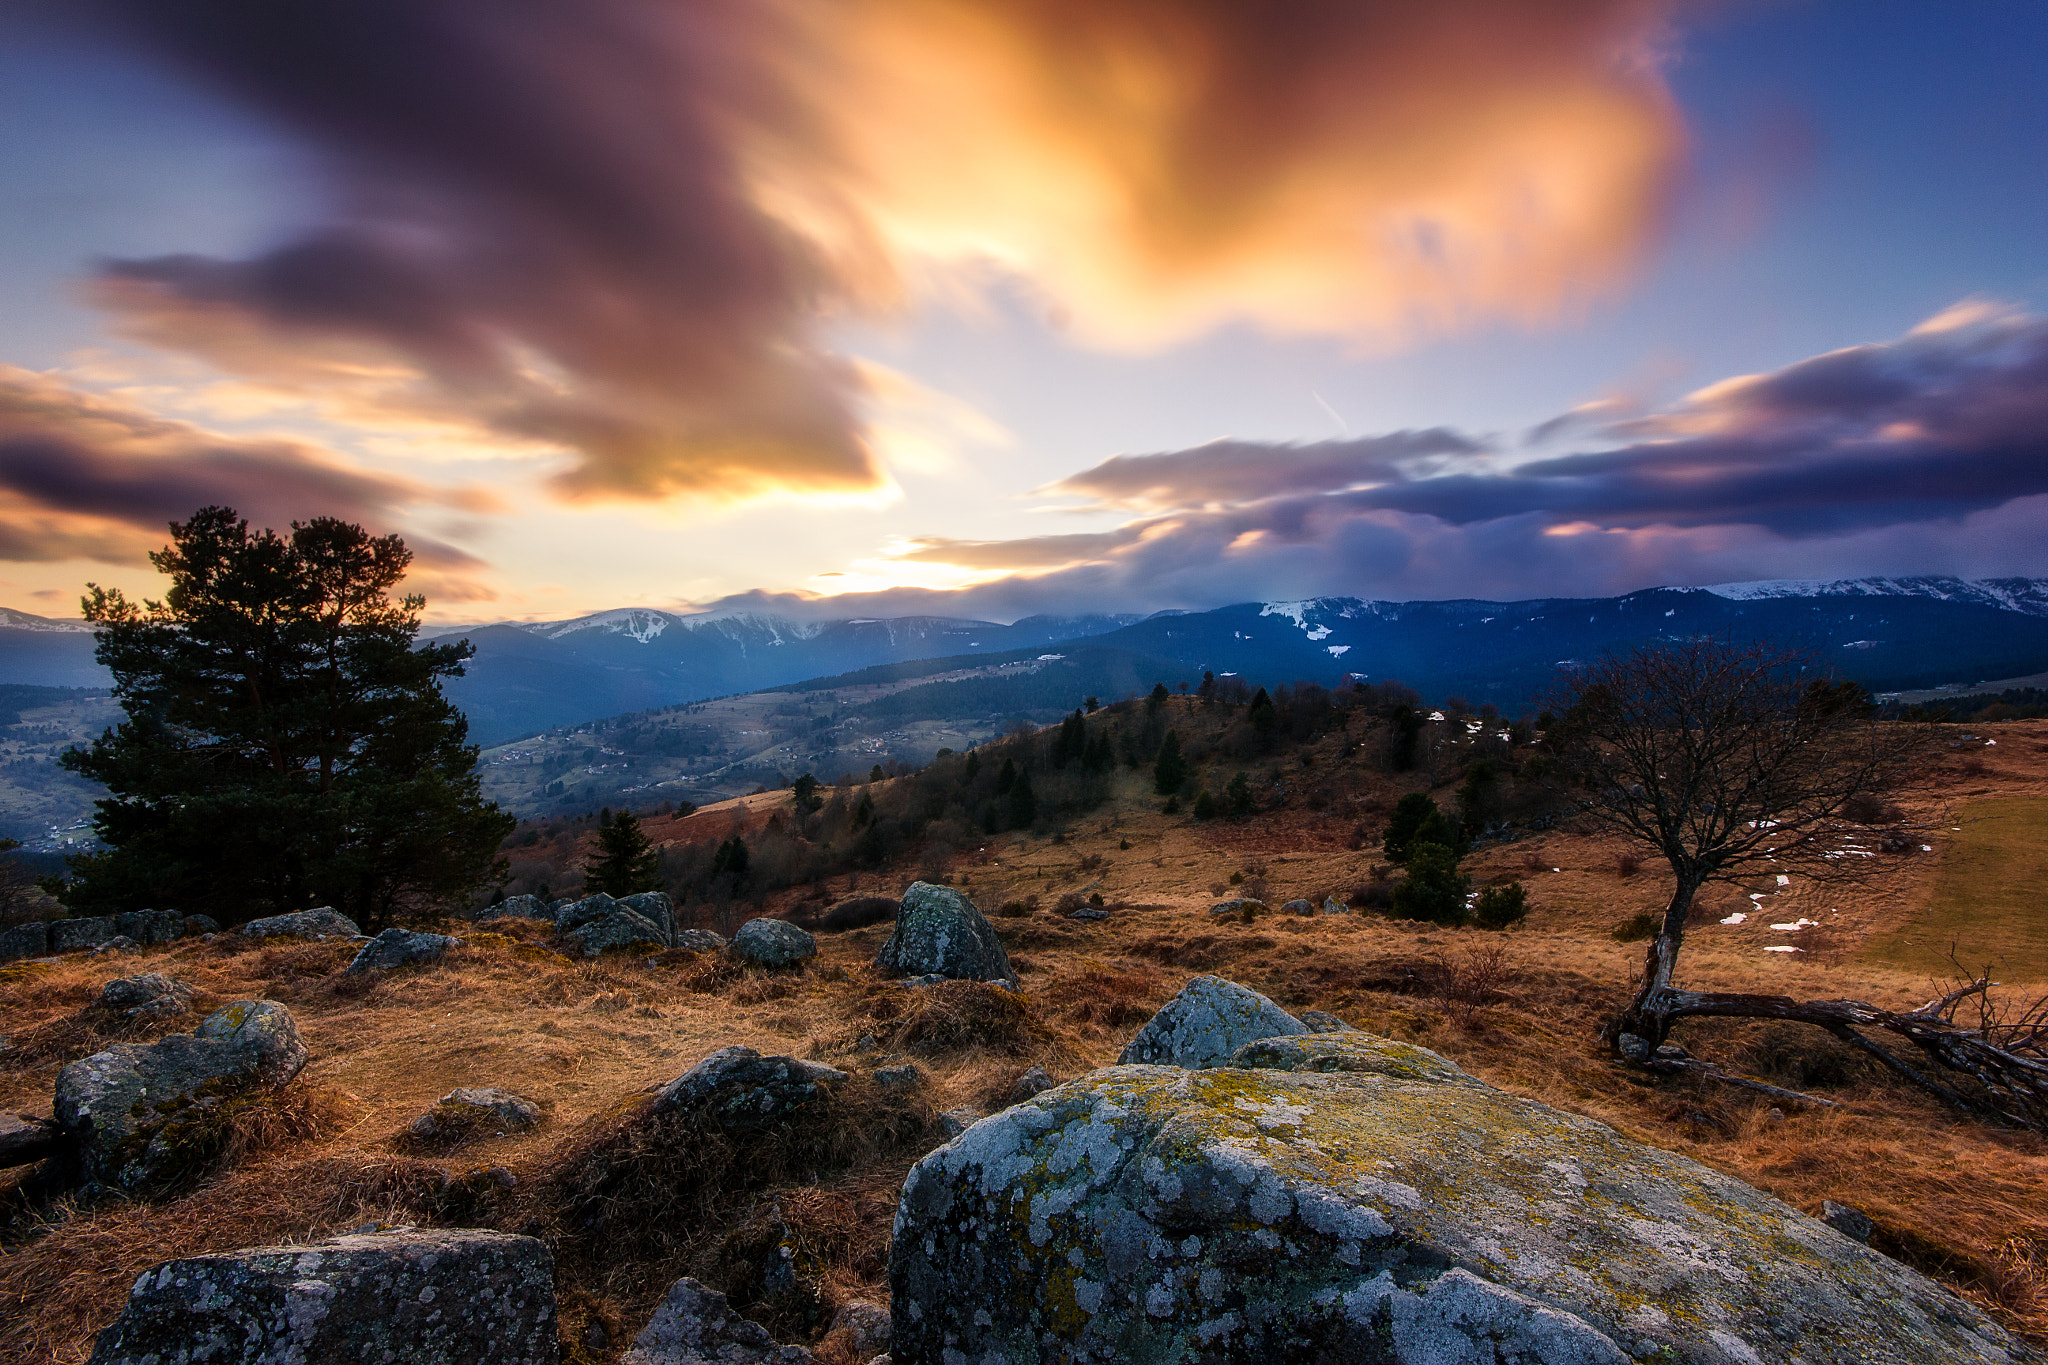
{"x": 791, "y": 1229}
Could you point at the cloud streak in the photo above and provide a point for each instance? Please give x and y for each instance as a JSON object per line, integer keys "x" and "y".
{"x": 618, "y": 228}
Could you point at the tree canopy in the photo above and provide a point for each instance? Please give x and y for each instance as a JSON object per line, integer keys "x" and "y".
{"x": 286, "y": 743}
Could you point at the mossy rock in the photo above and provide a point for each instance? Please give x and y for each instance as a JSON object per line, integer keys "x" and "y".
{"x": 1150, "y": 1214}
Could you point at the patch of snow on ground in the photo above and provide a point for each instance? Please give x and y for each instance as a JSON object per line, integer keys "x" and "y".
{"x": 1782, "y": 948}
{"x": 1338, "y": 651}
{"x": 1735, "y": 918}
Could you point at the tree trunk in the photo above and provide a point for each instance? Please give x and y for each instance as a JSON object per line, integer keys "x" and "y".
{"x": 1644, "y": 1025}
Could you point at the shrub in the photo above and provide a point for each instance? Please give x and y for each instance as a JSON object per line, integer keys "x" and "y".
{"x": 1500, "y": 907}
{"x": 1417, "y": 821}
{"x": 1637, "y": 928}
{"x": 1434, "y": 890}
{"x": 1205, "y": 806}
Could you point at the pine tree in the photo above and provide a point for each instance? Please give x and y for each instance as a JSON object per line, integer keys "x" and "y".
{"x": 1023, "y": 804}
{"x": 286, "y": 743}
{"x": 1171, "y": 770}
{"x": 627, "y": 860}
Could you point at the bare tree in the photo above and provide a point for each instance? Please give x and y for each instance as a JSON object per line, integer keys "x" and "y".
{"x": 1733, "y": 763}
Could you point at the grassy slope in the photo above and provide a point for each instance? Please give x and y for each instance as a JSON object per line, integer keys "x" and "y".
{"x": 1962, "y": 1202}
{"x": 1990, "y": 896}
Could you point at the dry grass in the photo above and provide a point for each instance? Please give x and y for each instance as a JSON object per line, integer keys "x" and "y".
{"x": 627, "y": 1207}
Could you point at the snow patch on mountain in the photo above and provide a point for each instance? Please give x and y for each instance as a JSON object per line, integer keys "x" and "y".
{"x": 2027, "y": 595}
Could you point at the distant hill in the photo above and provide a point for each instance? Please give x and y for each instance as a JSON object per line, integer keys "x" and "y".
{"x": 48, "y": 652}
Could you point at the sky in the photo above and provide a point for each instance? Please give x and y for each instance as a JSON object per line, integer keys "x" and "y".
{"x": 994, "y": 307}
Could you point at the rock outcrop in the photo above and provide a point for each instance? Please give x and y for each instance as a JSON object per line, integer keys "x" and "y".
{"x": 736, "y": 1088}
{"x": 28, "y": 939}
{"x": 1210, "y": 1019}
{"x": 471, "y": 1110}
{"x": 139, "y": 1114}
{"x": 150, "y": 926}
{"x": 1392, "y": 1209}
{"x": 696, "y": 1326}
{"x": 460, "y": 1296}
{"x": 322, "y": 922}
{"x": 772, "y": 943}
{"x": 940, "y": 932}
{"x": 400, "y": 948}
{"x": 70, "y": 935}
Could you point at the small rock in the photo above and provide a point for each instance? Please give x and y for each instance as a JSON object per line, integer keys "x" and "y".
{"x": 69, "y": 935}
{"x": 696, "y": 1326}
{"x": 459, "y": 1296}
{"x": 24, "y": 1139}
{"x": 135, "y": 1109}
{"x": 699, "y": 941}
{"x": 322, "y": 922}
{"x": 905, "y": 1076}
{"x": 954, "y": 1122}
{"x": 738, "y": 1088}
{"x": 1238, "y": 908}
{"x": 400, "y": 948}
{"x": 1333, "y": 906}
{"x": 1320, "y": 1021}
{"x": 1852, "y": 1223}
{"x": 773, "y": 943}
{"x": 119, "y": 943}
{"x": 472, "y": 1109}
{"x": 1210, "y": 1019}
{"x": 149, "y": 995}
{"x": 941, "y": 932}
{"x": 1298, "y": 907}
{"x": 28, "y": 939}
{"x": 865, "y": 1323}
{"x": 1090, "y": 912}
{"x": 1033, "y": 1082}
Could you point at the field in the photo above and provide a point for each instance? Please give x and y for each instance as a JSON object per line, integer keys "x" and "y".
{"x": 1963, "y": 1202}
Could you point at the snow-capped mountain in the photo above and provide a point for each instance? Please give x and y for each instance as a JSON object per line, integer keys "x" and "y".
{"x": 2028, "y": 595}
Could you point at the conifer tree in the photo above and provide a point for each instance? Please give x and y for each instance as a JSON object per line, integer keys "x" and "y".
{"x": 1170, "y": 770}
{"x": 627, "y": 860}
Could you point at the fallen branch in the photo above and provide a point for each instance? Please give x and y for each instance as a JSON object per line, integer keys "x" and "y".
{"x": 1696, "y": 1067}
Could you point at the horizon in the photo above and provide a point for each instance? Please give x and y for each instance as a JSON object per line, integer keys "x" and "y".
{"x": 918, "y": 309}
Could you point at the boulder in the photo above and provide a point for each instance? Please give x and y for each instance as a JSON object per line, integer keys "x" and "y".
{"x": 470, "y": 1110}
{"x": 1321, "y": 1021}
{"x": 25, "y": 1139}
{"x": 621, "y": 929}
{"x": 1238, "y": 908}
{"x": 322, "y": 922}
{"x": 1210, "y": 1019}
{"x": 595, "y": 906}
{"x": 150, "y": 926}
{"x": 201, "y": 924}
{"x": 939, "y": 931}
{"x": 1090, "y": 912}
{"x": 458, "y": 1296}
{"x": 70, "y": 935}
{"x": 119, "y": 943}
{"x": 520, "y": 907}
{"x": 28, "y": 939}
{"x": 150, "y": 995}
{"x": 399, "y": 948}
{"x": 696, "y": 1326}
{"x": 903, "y": 1076}
{"x": 139, "y": 1112}
{"x": 656, "y": 908}
{"x": 737, "y": 1088}
{"x": 1153, "y": 1213}
{"x": 699, "y": 941}
{"x": 772, "y": 943}
{"x": 866, "y": 1325}
{"x": 1333, "y": 906}
{"x": 1298, "y": 907}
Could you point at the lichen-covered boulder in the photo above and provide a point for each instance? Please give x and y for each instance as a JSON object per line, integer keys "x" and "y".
{"x": 736, "y": 1088}
{"x": 1237, "y": 908}
{"x": 519, "y": 907}
{"x": 772, "y": 943}
{"x": 29, "y": 939}
{"x": 656, "y": 908}
{"x": 461, "y": 1296}
{"x": 1298, "y": 907}
{"x": 699, "y": 941}
{"x": 696, "y": 1326}
{"x": 1147, "y": 1214}
{"x": 150, "y": 926}
{"x": 140, "y": 1114}
{"x": 940, "y": 932}
{"x": 594, "y": 906}
{"x": 1210, "y": 1019}
{"x": 400, "y": 948}
{"x": 70, "y": 935}
{"x": 617, "y": 931}
{"x": 472, "y": 1110}
{"x": 1333, "y": 906}
{"x": 149, "y": 995}
{"x": 322, "y": 922}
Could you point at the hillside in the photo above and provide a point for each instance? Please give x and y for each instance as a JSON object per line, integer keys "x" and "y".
{"x": 1960, "y": 1201}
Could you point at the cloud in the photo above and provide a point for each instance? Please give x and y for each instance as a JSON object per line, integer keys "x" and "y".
{"x": 1927, "y": 453}
{"x": 86, "y": 476}
{"x": 1236, "y": 471}
{"x": 618, "y": 228}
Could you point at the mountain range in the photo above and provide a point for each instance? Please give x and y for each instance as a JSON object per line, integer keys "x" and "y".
{"x": 1888, "y": 633}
